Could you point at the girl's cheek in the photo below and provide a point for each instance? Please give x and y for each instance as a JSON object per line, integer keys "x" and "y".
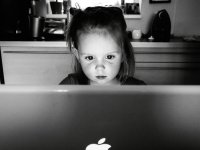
{"x": 113, "y": 62}
{"x": 85, "y": 62}
{"x": 88, "y": 66}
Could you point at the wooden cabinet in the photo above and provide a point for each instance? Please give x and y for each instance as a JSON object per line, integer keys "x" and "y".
{"x": 35, "y": 65}
{"x": 47, "y": 63}
{"x": 175, "y": 63}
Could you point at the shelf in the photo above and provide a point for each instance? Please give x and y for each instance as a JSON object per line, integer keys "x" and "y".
{"x": 56, "y": 16}
{"x": 132, "y": 16}
{"x": 64, "y": 16}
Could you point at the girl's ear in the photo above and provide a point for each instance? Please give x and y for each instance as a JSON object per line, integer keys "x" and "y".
{"x": 75, "y": 52}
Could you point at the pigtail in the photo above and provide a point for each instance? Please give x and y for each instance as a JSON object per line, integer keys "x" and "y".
{"x": 71, "y": 35}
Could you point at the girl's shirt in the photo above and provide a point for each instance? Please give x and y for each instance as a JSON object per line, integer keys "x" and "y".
{"x": 79, "y": 79}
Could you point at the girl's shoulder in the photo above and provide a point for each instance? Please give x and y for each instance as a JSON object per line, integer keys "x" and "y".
{"x": 133, "y": 81}
{"x": 74, "y": 79}
{"x": 70, "y": 79}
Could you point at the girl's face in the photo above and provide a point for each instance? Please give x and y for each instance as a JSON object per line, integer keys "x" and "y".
{"x": 100, "y": 58}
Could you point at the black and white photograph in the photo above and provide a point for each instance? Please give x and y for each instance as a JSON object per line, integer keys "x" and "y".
{"x": 99, "y": 75}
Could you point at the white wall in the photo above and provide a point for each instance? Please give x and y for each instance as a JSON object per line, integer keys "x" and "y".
{"x": 187, "y": 18}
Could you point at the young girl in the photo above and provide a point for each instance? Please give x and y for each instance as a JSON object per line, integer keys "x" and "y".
{"x": 104, "y": 55}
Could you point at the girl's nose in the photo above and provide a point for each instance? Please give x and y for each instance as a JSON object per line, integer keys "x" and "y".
{"x": 100, "y": 65}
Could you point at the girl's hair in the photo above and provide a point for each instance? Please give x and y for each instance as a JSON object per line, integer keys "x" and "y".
{"x": 103, "y": 20}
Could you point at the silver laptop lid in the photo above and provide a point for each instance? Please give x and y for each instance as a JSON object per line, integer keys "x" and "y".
{"x": 124, "y": 117}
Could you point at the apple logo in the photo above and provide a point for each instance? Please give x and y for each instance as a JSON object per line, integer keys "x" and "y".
{"x": 100, "y": 146}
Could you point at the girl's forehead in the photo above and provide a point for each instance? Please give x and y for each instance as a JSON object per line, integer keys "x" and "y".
{"x": 102, "y": 33}
{"x": 97, "y": 43}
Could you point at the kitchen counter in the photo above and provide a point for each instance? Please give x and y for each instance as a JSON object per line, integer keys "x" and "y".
{"x": 48, "y": 62}
{"x": 33, "y": 43}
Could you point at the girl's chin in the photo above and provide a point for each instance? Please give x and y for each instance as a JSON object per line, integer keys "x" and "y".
{"x": 104, "y": 82}
{"x": 98, "y": 83}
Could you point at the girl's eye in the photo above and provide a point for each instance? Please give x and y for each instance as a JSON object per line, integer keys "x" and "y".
{"x": 110, "y": 57}
{"x": 89, "y": 57}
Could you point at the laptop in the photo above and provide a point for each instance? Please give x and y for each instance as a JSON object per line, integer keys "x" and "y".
{"x": 99, "y": 118}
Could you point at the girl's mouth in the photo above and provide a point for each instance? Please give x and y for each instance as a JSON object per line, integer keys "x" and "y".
{"x": 101, "y": 77}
